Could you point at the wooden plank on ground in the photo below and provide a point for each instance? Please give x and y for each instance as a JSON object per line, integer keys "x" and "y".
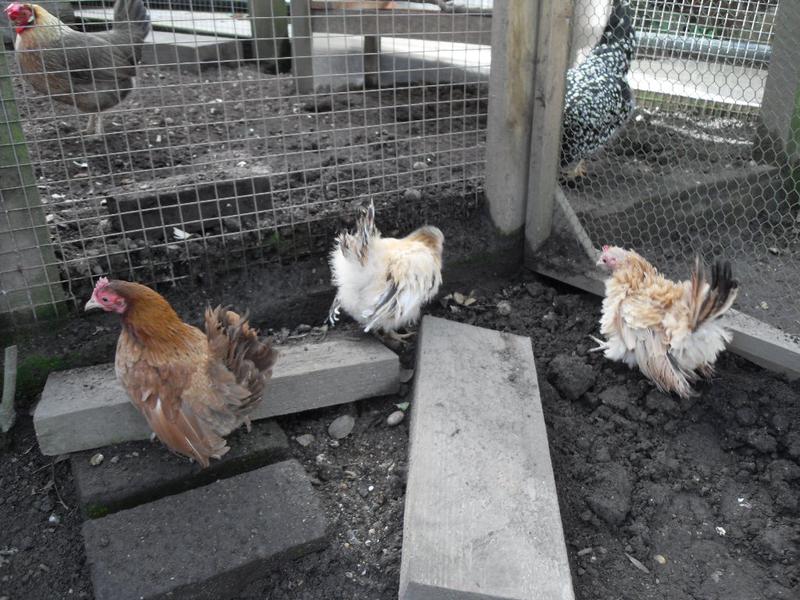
{"x": 87, "y": 408}
{"x": 481, "y": 517}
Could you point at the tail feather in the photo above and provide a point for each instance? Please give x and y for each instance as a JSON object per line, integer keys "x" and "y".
{"x": 711, "y": 300}
{"x": 619, "y": 30}
{"x": 131, "y": 15}
{"x": 236, "y": 344}
{"x": 356, "y": 245}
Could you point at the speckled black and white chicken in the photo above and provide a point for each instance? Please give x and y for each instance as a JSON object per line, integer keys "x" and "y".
{"x": 598, "y": 98}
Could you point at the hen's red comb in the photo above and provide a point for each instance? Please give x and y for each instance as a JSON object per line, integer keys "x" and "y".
{"x": 605, "y": 248}
{"x": 101, "y": 283}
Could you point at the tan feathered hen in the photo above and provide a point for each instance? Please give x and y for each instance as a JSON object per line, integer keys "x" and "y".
{"x": 670, "y": 330}
{"x": 383, "y": 283}
{"x": 94, "y": 71}
{"x": 193, "y": 388}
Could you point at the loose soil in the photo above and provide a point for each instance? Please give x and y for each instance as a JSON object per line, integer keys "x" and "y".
{"x": 660, "y": 499}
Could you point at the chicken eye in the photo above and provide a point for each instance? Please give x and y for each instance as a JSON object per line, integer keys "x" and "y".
{"x": 104, "y": 298}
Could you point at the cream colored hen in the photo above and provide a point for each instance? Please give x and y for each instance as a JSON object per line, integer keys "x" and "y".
{"x": 670, "y": 330}
{"x": 384, "y": 282}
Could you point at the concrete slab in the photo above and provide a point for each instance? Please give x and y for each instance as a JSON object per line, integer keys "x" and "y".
{"x": 137, "y": 472}
{"x": 481, "y": 517}
{"x": 169, "y": 48}
{"x": 87, "y": 408}
{"x": 207, "y": 543}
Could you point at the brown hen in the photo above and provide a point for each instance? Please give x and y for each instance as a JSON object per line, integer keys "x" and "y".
{"x": 193, "y": 388}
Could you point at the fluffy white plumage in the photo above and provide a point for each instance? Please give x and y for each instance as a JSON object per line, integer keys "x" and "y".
{"x": 670, "y": 330}
{"x": 383, "y": 283}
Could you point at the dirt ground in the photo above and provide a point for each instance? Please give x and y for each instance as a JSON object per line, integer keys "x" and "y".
{"x": 660, "y": 499}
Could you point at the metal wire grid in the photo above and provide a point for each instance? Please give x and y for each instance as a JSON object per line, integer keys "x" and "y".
{"x": 690, "y": 176}
{"x": 213, "y": 164}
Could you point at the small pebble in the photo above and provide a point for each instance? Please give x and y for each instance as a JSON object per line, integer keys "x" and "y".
{"x": 54, "y": 519}
{"x": 395, "y": 418}
{"x": 660, "y": 559}
{"x": 341, "y": 427}
{"x": 114, "y": 460}
{"x": 406, "y": 375}
{"x": 96, "y": 460}
{"x": 305, "y": 440}
{"x": 412, "y": 195}
{"x": 503, "y": 308}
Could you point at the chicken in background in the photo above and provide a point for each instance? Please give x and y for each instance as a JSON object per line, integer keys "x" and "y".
{"x": 92, "y": 71}
{"x": 669, "y": 329}
{"x": 193, "y": 388}
{"x": 384, "y": 282}
{"x": 598, "y": 99}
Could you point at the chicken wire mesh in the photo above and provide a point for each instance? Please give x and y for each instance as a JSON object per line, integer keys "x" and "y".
{"x": 704, "y": 164}
{"x": 221, "y": 157}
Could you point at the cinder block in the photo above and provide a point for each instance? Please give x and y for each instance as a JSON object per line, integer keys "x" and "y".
{"x": 481, "y": 516}
{"x": 137, "y": 472}
{"x": 207, "y": 543}
{"x": 87, "y": 408}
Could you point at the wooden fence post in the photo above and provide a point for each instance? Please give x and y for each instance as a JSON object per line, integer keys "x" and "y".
{"x": 270, "y": 32}
{"x": 302, "y": 55}
{"x": 552, "y": 56}
{"x": 779, "y": 129}
{"x": 514, "y": 32}
{"x": 29, "y": 278}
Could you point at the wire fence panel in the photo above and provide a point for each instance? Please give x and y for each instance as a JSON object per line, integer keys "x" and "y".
{"x": 212, "y": 154}
{"x": 705, "y": 164}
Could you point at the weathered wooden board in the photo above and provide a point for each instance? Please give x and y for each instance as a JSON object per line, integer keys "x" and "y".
{"x": 481, "y": 517}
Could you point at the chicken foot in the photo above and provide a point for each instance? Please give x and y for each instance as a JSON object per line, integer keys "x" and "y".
{"x": 601, "y": 345}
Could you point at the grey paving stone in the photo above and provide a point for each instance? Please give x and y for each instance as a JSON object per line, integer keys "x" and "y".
{"x": 207, "y": 543}
{"x": 87, "y": 408}
{"x": 481, "y": 516}
{"x": 137, "y": 472}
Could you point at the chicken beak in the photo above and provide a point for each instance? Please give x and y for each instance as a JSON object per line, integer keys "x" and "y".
{"x": 92, "y": 303}
{"x": 600, "y": 262}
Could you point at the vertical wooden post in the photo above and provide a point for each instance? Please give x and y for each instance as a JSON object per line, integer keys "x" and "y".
{"x": 508, "y": 143}
{"x": 29, "y": 278}
{"x": 270, "y": 32}
{"x": 779, "y": 129}
{"x": 302, "y": 56}
{"x": 372, "y": 61}
{"x": 552, "y": 56}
